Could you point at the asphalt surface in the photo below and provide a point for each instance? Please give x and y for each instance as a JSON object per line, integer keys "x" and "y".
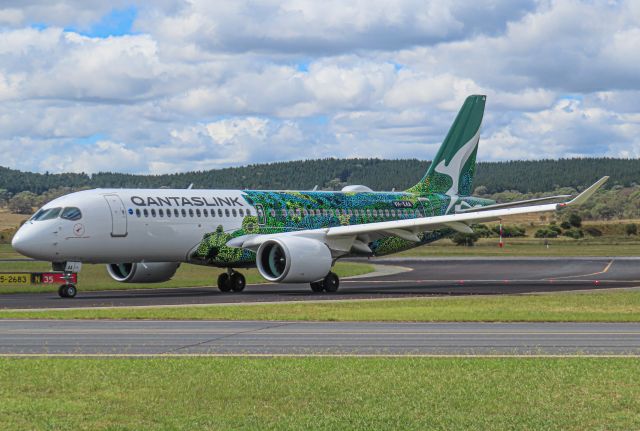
{"x": 424, "y": 277}
{"x": 315, "y": 338}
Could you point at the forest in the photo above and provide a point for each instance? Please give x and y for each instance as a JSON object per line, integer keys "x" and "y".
{"x": 332, "y": 174}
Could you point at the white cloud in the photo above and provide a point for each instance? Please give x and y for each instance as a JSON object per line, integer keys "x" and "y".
{"x": 200, "y": 85}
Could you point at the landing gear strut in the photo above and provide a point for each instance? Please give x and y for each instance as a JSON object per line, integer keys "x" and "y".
{"x": 329, "y": 284}
{"x": 231, "y": 281}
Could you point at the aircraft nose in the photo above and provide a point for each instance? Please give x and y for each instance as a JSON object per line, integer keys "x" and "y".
{"x": 23, "y": 242}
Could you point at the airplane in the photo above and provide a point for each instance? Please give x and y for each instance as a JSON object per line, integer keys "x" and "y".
{"x": 143, "y": 235}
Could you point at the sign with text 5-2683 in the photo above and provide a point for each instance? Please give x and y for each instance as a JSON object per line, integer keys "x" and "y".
{"x": 15, "y": 278}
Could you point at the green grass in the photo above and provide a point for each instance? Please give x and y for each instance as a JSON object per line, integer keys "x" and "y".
{"x": 95, "y": 277}
{"x": 603, "y": 246}
{"x": 610, "y": 306}
{"x": 319, "y": 394}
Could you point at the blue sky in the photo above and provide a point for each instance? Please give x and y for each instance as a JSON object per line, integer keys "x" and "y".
{"x": 170, "y": 85}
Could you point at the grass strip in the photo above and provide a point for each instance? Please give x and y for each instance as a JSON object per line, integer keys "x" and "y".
{"x": 609, "y": 306}
{"x": 319, "y": 394}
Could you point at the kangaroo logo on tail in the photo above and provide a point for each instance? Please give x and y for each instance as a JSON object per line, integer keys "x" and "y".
{"x": 453, "y": 168}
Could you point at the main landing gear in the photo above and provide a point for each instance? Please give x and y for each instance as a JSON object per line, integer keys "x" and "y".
{"x": 329, "y": 284}
{"x": 231, "y": 281}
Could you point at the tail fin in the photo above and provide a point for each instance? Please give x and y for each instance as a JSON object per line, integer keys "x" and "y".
{"x": 452, "y": 170}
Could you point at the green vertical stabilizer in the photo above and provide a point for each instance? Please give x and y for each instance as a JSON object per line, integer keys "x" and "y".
{"x": 452, "y": 170}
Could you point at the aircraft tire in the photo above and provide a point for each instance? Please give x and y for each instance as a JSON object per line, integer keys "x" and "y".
{"x": 223, "y": 282}
{"x": 317, "y": 286}
{"x": 331, "y": 282}
{"x": 237, "y": 282}
{"x": 71, "y": 291}
{"x": 67, "y": 291}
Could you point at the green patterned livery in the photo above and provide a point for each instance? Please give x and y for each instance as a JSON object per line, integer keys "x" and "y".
{"x": 446, "y": 187}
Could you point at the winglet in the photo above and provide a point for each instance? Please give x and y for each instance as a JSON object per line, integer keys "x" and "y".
{"x": 585, "y": 195}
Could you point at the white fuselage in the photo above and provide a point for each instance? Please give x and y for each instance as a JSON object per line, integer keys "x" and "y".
{"x": 131, "y": 225}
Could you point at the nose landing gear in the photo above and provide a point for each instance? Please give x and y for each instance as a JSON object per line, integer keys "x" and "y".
{"x": 231, "y": 281}
{"x": 68, "y": 289}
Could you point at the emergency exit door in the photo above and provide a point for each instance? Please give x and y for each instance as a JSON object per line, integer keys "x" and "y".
{"x": 118, "y": 215}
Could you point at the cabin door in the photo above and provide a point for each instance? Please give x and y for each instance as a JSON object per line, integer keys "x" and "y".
{"x": 118, "y": 215}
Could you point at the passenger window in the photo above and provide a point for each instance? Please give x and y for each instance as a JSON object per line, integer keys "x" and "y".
{"x": 161, "y": 212}
{"x": 153, "y": 212}
{"x": 284, "y": 212}
{"x": 305, "y": 212}
{"x": 198, "y": 212}
{"x": 184, "y": 212}
{"x": 393, "y": 213}
{"x": 248, "y": 212}
{"x": 375, "y": 213}
{"x": 233, "y": 211}
{"x": 168, "y": 213}
{"x": 272, "y": 212}
{"x": 226, "y": 212}
{"x": 219, "y": 212}
{"x": 146, "y": 213}
{"x": 241, "y": 212}
{"x": 190, "y": 212}
{"x": 71, "y": 213}
{"x": 368, "y": 213}
{"x": 138, "y": 213}
{"x": 176, "y": 212}
{"x": 205, "y": 212}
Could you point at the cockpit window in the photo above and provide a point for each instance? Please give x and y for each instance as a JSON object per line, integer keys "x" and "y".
{"x": 71, "y": 213}
{"x": 46, "y": 214}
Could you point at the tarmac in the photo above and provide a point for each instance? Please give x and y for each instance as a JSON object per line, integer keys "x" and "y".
{"x": 269, "y": 338}
{"x": 394, "y": 278}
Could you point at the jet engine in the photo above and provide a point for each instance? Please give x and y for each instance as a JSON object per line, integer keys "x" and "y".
{"x": 291, "y": 259}
{"x": 144, "y": 272}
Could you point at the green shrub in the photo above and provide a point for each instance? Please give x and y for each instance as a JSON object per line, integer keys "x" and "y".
{"x": 465, "y": 239}
{"x": 574, "y": 233}
{"x": 546, "y": 233}
{"x": 631, "y": 229}
{"x": 565, "y": 225}
{"x": 593, "y": 231}
{"x": 510, "y": 231}
{"x": 575, "y": 220}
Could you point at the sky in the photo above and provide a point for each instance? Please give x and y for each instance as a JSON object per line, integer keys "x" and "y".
{"x": 171, "y": 86}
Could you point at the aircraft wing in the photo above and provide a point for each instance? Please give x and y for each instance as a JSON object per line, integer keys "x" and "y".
{"x": 345, "y": 238}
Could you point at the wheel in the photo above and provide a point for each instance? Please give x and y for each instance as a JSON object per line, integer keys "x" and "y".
{"x": 331, "y": 282}
{"x": 67, "y": 291}
{"x": 223, "y": 282}
{"x": 71, "y": 291}
{"x": 237, "y": 282}
{"x": 317, "y": 286}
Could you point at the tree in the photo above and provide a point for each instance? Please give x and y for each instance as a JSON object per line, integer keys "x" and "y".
{"x": 23, "y": 203}
{"x": 631, "y": 229}
{"x": 575, "y": 220}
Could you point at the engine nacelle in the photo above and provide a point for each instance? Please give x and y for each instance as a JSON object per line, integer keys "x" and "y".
{"x": 293, "y": 260}
{"x": 146, "y": 272}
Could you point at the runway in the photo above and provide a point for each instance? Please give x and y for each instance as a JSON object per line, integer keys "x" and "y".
{"x": 423, "y": 277}
{"x": 29, "y": 337}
